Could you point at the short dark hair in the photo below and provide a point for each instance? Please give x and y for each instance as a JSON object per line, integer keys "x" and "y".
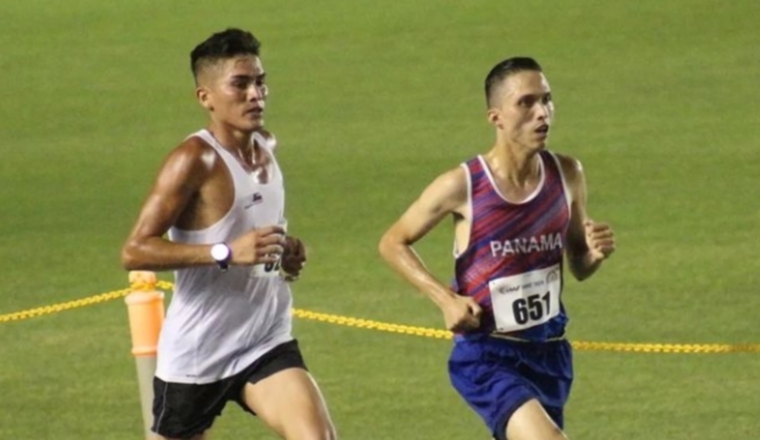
{"x": 506, "y": 68}
{"x": 223, "y": 45}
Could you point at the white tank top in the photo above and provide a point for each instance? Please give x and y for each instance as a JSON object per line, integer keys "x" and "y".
{"x": 218, "y": 323}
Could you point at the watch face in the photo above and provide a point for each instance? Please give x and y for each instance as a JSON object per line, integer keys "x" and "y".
{"x": 220, "y": 252}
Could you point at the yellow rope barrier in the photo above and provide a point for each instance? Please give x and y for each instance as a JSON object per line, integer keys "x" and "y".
{"x": 348, "y": 321}
{"x": 60, "y": 307}
{"x": 578, "y": 345}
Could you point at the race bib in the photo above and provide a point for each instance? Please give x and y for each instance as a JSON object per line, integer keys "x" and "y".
{"x": 266, "y": 270}
{"x": 526, "y": 300}
{"x": 270, "y": 269}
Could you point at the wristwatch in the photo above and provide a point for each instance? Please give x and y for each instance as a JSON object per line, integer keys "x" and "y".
{"x": 222, "y": 254}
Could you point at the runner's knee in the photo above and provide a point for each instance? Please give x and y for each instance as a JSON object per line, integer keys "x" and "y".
{"x": 558, "y": 435}
{"x": 321, "y": 432}
{"x": 532, "y": 422}
{"x": 555, "y": 434}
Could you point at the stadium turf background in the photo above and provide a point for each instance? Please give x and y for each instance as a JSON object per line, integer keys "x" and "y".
{"x": 370, "y": 101}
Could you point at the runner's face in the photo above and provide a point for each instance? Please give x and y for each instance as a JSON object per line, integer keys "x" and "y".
{"x": 235, "y": 93}
{"x": 523, "y": 109}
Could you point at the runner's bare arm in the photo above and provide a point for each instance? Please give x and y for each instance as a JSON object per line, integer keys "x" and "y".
{"x": 588, "y": 243}
{"x": 443, "y": 196}
{"x": 179, "y": 179}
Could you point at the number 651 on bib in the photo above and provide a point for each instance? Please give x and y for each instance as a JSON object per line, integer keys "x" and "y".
{"x": 526, "y": 300}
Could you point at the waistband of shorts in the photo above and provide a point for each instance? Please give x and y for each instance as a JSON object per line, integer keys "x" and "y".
{"x": 510, "y": 337}
{"x": 513, "y": 338}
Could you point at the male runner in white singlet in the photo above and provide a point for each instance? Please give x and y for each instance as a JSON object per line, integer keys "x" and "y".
{"x": 219, "y": 195}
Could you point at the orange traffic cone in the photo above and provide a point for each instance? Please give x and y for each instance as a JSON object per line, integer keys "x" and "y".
{"x": 145, "y": 306}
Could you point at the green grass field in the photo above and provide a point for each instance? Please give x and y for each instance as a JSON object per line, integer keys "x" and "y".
{"x": 370, "y": 101}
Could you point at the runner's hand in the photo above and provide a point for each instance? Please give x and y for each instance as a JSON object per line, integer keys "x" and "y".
{"x": 293, "y": 257}
{"x": 461, "y": 313}
{"x": 600, "y": 239}
{"x": 258, "y": 246}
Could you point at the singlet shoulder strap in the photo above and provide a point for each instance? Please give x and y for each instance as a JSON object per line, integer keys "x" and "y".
{"x": 554, "y": 169}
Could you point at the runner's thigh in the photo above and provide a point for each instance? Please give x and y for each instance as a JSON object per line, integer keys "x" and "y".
{"x": 531, "y": 422}
{"x": 290, "y": 402}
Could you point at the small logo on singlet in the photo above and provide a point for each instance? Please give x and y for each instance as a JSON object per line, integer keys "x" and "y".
{"x": 254, "y": 200}
{"x": 508, "y": 289}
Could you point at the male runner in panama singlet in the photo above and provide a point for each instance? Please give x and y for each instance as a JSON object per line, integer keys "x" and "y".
{"x": 518, "y": 210}
{"x": 220, "y": 197}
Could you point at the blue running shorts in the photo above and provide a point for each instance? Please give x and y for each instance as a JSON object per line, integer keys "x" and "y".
{"x": 497, "y": 376}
